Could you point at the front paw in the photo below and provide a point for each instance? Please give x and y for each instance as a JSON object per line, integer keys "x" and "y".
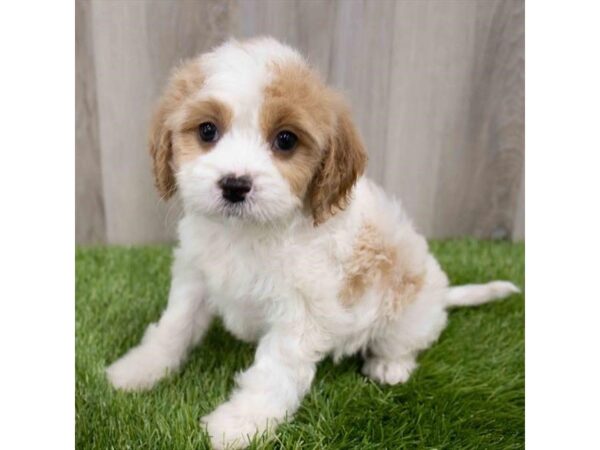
{"x": 230, "y": 427}
{"x": 140, "y": 369}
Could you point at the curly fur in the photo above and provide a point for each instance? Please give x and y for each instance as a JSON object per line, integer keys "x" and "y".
{"x": 317, "y": 260}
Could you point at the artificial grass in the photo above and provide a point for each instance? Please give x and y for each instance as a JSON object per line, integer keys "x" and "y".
{"x": 468, "y": 392}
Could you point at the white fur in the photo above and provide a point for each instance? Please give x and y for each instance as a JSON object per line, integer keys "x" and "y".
{"x": 274, "y": 278}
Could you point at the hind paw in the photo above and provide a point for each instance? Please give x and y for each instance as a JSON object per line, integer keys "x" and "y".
{"x": 389, "y": 372}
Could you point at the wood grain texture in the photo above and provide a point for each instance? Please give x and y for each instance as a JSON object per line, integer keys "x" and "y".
{"x": 89, "y": 212}
{"x": 518, "y": 233}
{"x": 136, "y": 44}
{"x": 436, "y": 87}
{"x": 494, "y": 151}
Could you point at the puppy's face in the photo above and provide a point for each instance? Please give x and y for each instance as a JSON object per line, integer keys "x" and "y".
{"x": 248, "y": 131}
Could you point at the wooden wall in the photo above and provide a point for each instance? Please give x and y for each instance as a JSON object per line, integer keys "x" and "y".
{"x": 437, "y": 89}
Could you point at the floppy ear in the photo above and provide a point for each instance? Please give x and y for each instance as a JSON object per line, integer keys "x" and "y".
{"x": 162, "y": 155}
{"x": 184, "y": 80}
{"x": 343, "y": 162}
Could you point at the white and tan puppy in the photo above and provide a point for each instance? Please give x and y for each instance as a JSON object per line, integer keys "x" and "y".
{"x": 282, "y": 238}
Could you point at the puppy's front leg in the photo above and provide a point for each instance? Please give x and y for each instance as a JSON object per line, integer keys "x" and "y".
{"x": 166, "y": 343}
{"x": 268, "y": 392}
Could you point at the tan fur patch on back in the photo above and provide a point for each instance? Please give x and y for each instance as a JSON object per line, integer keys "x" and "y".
{"x": 376, "y": 263}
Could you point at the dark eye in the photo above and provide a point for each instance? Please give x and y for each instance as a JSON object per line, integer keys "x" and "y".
{"x": 285, "y": 141}
{"x": 208, "y": 132}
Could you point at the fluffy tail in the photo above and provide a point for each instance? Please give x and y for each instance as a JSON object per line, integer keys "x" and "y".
{"x": 476, "y": 294}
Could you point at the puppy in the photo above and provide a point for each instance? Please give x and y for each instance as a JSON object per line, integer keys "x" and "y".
{"x": 282, "y": 238}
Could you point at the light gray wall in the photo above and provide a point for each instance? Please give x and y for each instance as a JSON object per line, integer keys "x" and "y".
{"x": 436, "y": 86}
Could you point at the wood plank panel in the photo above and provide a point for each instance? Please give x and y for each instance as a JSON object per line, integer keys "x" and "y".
{"x": 436, "y": 87}
{"x": 489, "y": 166}
{"x": 136, "y": 44}
{"x": 89, "y": 211}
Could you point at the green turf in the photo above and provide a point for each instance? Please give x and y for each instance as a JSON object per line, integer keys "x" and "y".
{"x": 468, "y": 392}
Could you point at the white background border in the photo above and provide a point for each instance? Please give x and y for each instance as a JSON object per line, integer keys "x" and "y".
{"x": 37, "y": 225}
{"x": 562, "y": 148}
{"x": 37, "y": 315}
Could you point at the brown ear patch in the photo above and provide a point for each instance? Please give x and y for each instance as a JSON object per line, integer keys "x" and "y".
{"x": 344, "y": 161}
{"x": 377, "y": 263}
{"x": 186, "y": 142}
{"x": 184, "y": 80}
{"x": 297, "y": 101}
{"x": 330, "y": 155}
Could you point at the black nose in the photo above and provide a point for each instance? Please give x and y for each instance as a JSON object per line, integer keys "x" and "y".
{"x": 235, "y": 188}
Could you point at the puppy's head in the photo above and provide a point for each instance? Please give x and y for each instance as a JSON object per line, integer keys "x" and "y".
{"x": 250, "y": 131}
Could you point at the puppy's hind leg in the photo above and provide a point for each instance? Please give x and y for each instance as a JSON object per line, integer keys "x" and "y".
{"x": 166, "y": 343}
{"x": 394, "y": 349}
{"x": 392, "y": 353}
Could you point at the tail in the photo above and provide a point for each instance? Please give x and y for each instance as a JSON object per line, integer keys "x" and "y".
{"x": 476, "y": 294}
